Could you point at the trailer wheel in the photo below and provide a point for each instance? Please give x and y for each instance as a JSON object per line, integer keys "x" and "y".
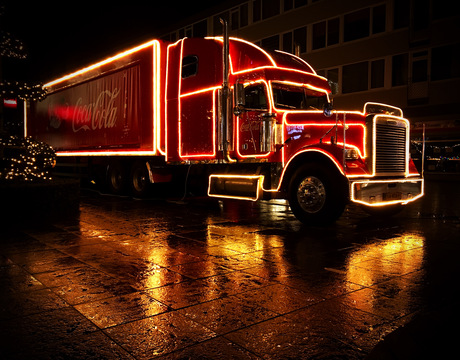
{"x": 116, "y": 177}
{"x": 316, "y": 195}
{"x": 139, "y": 179}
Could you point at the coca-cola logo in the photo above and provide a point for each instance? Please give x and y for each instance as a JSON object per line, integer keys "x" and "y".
{"x": 100, "y": 114}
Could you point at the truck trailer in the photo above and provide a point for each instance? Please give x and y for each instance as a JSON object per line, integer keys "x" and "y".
{"x": 244, "y": 122}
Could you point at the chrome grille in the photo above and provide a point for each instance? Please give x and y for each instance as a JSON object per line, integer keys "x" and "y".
{"x": 390, "y": 147}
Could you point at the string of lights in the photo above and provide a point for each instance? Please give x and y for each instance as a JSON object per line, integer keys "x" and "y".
{"x": 25, "y": 159}
{"x": 11, "y": 47}
{"x": 22, "y": 90}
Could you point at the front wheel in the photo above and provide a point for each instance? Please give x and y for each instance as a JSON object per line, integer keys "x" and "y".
{"x": 317, "y": 195}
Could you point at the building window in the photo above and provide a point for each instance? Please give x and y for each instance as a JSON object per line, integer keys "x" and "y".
{"x": 377, "y": 74}
{"x": 217, "y": 25}
{"x": 419, "y": 66}
{"x": 355, "y": 77}
{"x": 421, "y": 14}
{"x": 300, "y": 39}
{"x": 378, "y": 19}
{"x": 264, "y": 9}
{"x": 445, "y": 62}
{"x": 235, "y": 19}
{"x": 326, "y": 33}
{"x": 239, "y": 17}
{"x": 271, "y": 43}
{"x": 256, "y": 10}
{"x": 399, "y": 70}
{"x": 270, "y": 8}
{"x": 200, "y": 29}
{"x": 401, "y": 14}
{"x": 290, "y": 4}
{"x": 332, "y": 76}
{"x": 333, "y": 31}
{"x": 244, "y": 15}
{"x": 356, "y": 25}
{"x": 287, "y": 42}
{"x": 319, "y": 35}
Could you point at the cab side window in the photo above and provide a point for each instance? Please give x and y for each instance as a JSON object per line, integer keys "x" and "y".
{"x": 255, "y": 97}
{"x": 189, "y": 66}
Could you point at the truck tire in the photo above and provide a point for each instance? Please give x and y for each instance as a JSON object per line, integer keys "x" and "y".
{"x": 316, "y": 195}
{"x": 139, "y": 179}
{"x": 116, "y": 178}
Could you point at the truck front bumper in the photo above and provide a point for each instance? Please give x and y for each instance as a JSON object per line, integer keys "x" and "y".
{"x": 383, "y": 192}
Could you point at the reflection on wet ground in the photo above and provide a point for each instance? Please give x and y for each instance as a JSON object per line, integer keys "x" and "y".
{"x": 136, "y": 279}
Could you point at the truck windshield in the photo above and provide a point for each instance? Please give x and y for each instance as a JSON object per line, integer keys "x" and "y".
{"x": 297, "y": 98}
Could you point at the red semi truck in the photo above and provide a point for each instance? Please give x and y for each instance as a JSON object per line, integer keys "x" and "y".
{"x": 247, "y": 123}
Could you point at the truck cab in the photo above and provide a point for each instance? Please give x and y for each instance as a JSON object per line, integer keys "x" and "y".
{"x": 279, "y": 136}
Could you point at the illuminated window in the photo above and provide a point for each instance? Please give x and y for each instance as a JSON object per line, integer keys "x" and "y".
{"x": 189, "y": 66}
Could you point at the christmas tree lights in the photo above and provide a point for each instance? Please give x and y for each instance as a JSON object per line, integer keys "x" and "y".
{"x": 22, "y": 90}
{"x": 24, "y": 159}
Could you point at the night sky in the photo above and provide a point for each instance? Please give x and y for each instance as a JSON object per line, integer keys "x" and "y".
{"x": 61, "y": 37}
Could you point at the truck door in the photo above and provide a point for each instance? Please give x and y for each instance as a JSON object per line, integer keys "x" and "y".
{"x": 249, "y": 122}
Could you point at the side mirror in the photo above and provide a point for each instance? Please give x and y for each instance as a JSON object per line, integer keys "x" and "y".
{"x": 239, "y": 100}
{"x": 327, "y": 109}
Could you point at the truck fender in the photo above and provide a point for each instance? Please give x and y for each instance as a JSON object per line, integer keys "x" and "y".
{"x": 312, "y": 156}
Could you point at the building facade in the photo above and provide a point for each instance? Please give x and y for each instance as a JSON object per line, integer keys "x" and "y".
{"x": 401, "y": 52}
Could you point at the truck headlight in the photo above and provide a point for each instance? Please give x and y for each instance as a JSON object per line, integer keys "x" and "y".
{"x": 351, "y": 154}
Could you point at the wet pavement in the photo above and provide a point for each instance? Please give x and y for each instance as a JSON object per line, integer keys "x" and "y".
{"x": 206, "y": 279}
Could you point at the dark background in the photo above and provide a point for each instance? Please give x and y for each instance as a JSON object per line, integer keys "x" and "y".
{"x": 60, "y": 37}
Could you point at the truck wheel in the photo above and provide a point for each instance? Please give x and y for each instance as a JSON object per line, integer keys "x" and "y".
{"x": 316, "y": 196}
{"x": 116, "y": 178}
{"x": 139, "y": 179}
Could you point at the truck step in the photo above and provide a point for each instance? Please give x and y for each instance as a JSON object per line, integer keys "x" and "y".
{"x": 244, "y": 187}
